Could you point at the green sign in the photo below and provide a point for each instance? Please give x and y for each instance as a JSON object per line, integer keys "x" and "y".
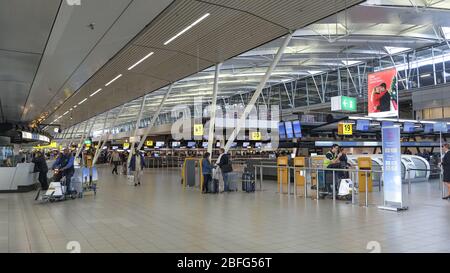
{"x": 348, "y": 104}
{"x": 88, "y": 142}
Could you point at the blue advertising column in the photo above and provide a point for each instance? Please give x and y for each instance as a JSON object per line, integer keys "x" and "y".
{"x": 392, "y": 174}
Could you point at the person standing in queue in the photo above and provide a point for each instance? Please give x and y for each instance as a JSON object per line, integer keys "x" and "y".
{"x": 207, "y": 172}
{"x": 136, "y": 167}
{"x": 40, "y": 165}
{"x": 446, "y": 169}
{"x": 224, "y": 163}
{"x": 64, "y": 165}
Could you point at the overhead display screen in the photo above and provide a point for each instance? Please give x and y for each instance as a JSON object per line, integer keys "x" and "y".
{"x": 297, "y": 128}
{"x": 282, "y": 131}
{"x": 408, "y": 127}
{"x": 428, "y": 128}
{"x": 289, "y": 130}
{"x": 362, "y": 125}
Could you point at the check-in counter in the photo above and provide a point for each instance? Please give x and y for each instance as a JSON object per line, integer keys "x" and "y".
{"x": 18, "y": 179}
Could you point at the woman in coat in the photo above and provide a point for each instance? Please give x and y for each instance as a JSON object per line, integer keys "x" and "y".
{"x": 136, "y": 167}
{"x": 207, "y": 172}
{"x": 40, "y": 165}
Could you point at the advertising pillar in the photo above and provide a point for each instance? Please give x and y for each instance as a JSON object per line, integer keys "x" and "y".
{"x": 392, "y": 173}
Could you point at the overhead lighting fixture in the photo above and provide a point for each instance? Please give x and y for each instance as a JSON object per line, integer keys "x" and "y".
{"x": 118, "y": 76}
{"x": 66, "y": 113}
{"x": 75, "y": 106}
{"x": 348, "y": 63}
{"x": 82, "y": 101}
{"x": 186, "y": 29}
{"x": 394, "y": 50}
{"x": 446, "y": 32}
{"x": 425, "y": 75}
{"x": 312, "y": 72}
{"x": 140, "y": 61}
{"x": 93, "y": 94}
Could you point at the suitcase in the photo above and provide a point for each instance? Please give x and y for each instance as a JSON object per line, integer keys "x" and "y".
{"x": 213, "y": 186}
{"x": 232, "y": 181}
{"x": 248, "y": 182}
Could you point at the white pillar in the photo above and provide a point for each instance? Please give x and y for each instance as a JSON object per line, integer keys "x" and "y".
{"x": 138, "y": 121}
{"x": 97, "y": 151}
{"x": 155, "y": 116}
{"x": 85, "y": 135}
{"x": 212, "y": 120}
{"x": 255, "y": 96}
{"x": 108, "y": 134}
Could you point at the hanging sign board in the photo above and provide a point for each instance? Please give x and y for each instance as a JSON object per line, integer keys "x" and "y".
{"x": 198, "y": 129}
{"x": 343, "y": 103}
{"x": 382, "y": 93}
{"x": 255, "y": 136}
{"x": 149, "y": 143}
{"x": 345, "y": 129}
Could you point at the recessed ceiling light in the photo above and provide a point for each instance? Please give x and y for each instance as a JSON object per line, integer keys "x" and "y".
{"x": 394, "y": 50}
{"x": 93, "y": 94}
{"x": 140, "y": 61}
{"x": 66, "y": 113}
{"x": 349, "y": 62}
{"x": 118, "y": 76}
{"x": 186, "y": 29}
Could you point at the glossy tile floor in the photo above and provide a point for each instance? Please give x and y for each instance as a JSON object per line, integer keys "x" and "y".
{"x": 160, "y": 216}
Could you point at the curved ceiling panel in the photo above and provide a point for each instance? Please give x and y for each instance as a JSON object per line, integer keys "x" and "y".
{"x": 231, "y": 28}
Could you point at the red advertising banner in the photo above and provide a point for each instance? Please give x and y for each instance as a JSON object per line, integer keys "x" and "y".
{"x": 383, "y": 94}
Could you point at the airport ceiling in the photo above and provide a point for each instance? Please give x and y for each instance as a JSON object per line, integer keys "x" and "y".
{"x": 84, "y": 59}
{"x": 361, "y": 33}
{"x": 78, "y": 60}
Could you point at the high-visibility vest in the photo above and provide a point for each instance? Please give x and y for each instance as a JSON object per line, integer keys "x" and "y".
{"x": 327, "y": 161}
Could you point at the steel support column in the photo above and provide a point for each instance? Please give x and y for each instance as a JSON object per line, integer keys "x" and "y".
{"x": 154, "y": 118}
{"x": 212, "y": 120}
{"x": 100, "y": 142}
{"x": 138, "y": 121}
{"x": 258, "y": 91}
{"x": 83, "y": 137}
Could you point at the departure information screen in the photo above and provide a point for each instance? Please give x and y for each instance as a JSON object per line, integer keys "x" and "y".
{"x": 289, "y": 130}
{"x": 282, "y": 130}
{"x": 362, "y": 125}
{"x": 297, "y": 128}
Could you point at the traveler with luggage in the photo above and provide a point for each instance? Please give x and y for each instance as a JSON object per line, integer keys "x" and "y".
{"x": 446, "y": 169}
{"x": 64, "y": 167}
{"x": 40, "y": 166}
{"x": 136, "y": 167}
{"x": 115, "y": 159}
{"x": 224, "y": 163}
{"x": 207, "y": 173}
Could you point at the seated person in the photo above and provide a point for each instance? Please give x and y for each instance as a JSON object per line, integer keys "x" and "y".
{"x": 64, "y": 165}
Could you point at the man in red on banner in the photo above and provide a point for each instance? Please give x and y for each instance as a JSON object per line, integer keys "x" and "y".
{"x": 382, "y": 89}
{"x": 377, "y": 94}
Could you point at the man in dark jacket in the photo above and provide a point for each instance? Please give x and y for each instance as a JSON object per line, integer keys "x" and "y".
{"x": 40, "y": 165}
{"x": 224, "y": 162}
{"x": 65, "y": 166}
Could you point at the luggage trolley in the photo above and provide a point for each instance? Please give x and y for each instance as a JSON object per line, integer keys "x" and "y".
{"x": 57, "y": 191}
